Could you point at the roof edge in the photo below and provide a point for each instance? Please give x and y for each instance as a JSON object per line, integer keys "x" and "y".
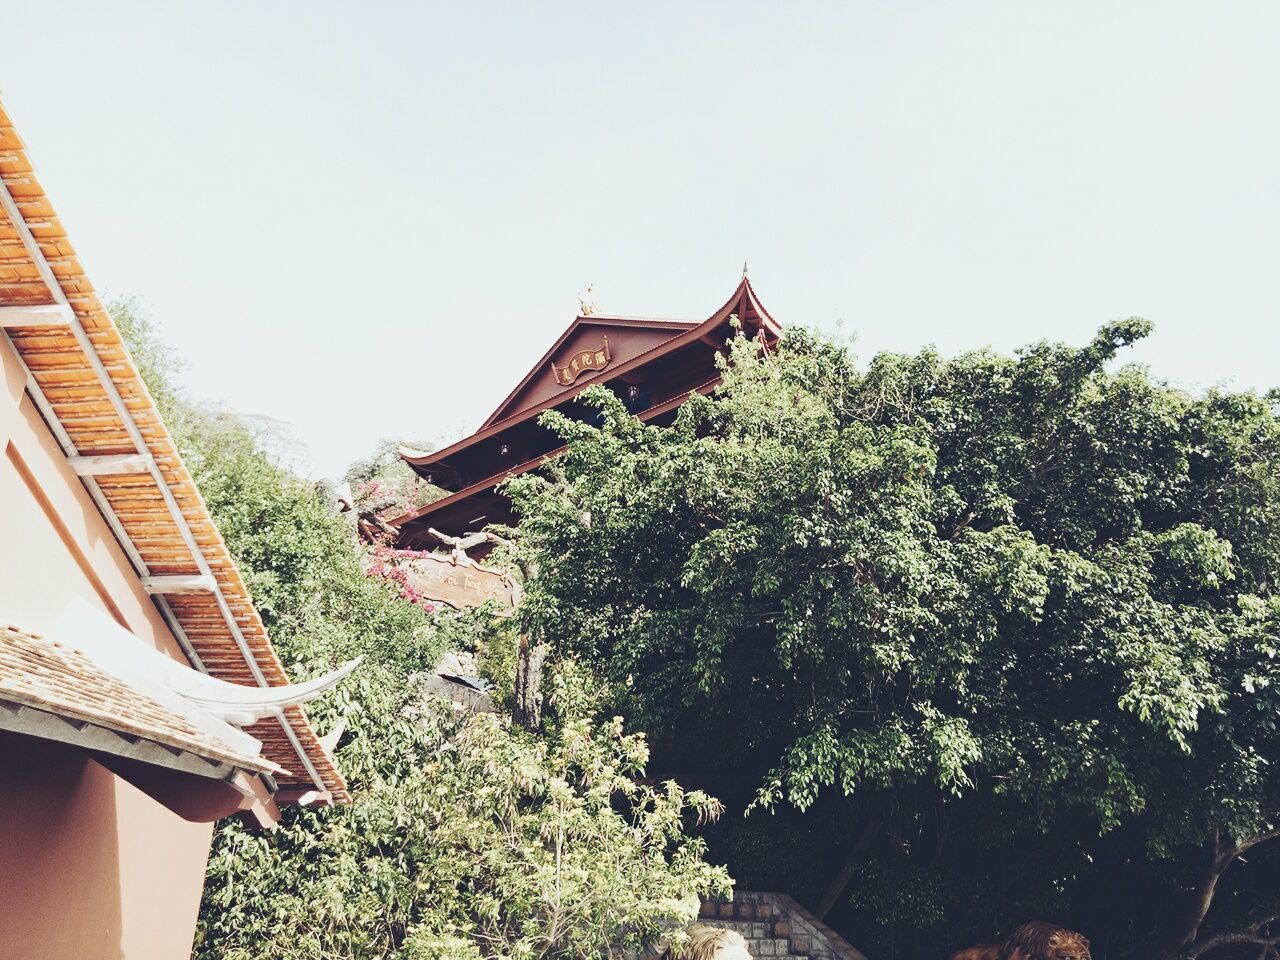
{"x": 516, "y": 470}
{"x": 105, "y": 353}
{"x": 741, "y": 291}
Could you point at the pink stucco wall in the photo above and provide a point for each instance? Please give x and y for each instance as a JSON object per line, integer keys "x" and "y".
{"x": 90, "y": 867}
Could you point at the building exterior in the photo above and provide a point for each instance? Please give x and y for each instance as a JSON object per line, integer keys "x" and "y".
{"x": 652, "y": 365}
{"x": 140, "y": 697}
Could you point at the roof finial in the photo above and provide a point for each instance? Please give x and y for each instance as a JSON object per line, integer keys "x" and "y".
{"x": 586, "y": 305}
{"x": 744, "y": 269}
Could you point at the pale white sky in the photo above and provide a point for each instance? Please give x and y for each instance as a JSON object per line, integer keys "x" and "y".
{"x": 370, "y": 219}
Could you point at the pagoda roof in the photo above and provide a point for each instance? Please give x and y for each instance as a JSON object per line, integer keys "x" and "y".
{"x": 41, "y": 674}
{"x": 89, "y": 391}
{"x": 467, "y": 492}
{"x": 672, "y": 327}
{"x": 742, "y": 303}
{"x": 518, "y": 414}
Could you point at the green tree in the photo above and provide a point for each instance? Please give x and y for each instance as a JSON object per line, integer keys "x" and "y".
{"x": 989, "y": 637}
{"x": 465, "y": 838}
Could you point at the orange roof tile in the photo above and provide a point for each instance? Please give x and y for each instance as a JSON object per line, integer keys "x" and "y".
{"x": 96, "y": 404}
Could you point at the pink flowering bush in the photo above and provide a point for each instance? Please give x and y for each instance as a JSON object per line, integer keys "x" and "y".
{"x": 393, "y": 497}
{"x": 384, "y": 563}
{"x": 383, "y": 484}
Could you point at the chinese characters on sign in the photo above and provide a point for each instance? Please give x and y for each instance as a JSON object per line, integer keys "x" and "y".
{"x": 580, "y": 362}
{"x": 460, "y": 585}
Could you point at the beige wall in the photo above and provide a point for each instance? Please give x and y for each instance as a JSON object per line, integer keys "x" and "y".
{"x": 90, "y": 867}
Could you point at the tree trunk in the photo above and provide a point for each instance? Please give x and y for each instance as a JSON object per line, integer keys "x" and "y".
{"x": 1184, "y": 927}
{"x": 840, "y": 881}
{"x": 527, "y": 710}
{"x": 1201, "y": 900}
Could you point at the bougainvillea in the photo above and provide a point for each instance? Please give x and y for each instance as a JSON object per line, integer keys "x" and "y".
{"x": 390, "y": 499}
{"x": 385, "y": 563}
{"x": 383, "y": 484}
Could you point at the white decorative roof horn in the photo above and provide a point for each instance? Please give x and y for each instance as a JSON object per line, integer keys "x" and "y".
{"x": 215, "y": 705}
{"x": 242, "y": 706}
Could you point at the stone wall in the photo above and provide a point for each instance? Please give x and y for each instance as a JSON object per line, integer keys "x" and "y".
{"x": 775, "y": 925}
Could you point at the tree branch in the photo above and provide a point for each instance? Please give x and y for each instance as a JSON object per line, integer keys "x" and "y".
{"x": 1251, "y": 842}
{"x": 1234, "y": 937}
{"x": 1186, "y": 928}
{"x": 1186, "y": 925}
{"x": 842, "y": 877}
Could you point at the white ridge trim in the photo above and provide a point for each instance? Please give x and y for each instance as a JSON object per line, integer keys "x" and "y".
{"x": 241, "y": 706}
{"x": 37, "y": 315}
{"x": 110, "y": 464}
{"x": 180, "y": 583}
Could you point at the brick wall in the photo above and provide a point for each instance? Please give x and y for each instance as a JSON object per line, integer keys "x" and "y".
{"x": 775, "y": 925}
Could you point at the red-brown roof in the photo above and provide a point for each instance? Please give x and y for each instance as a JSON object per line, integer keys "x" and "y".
{"x": 665, "y": 329}
{"x": 742, "y": 303}
{"x": 468, "y": 492}
{"x": 667, "y": 368}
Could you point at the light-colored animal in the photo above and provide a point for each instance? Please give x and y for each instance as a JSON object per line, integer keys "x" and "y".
{"x": 711, "y": 943}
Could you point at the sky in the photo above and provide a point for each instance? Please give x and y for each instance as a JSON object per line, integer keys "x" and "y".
{"x": 367, "y": 221}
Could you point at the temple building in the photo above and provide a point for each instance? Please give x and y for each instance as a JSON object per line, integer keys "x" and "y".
{"x": 140, "y": 697}
{"x": 652, "y": 365}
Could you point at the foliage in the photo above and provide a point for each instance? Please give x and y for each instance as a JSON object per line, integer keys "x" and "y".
{"x": 465, "y": 838}
{"x": 1015, "y": 617}
{"x": 384, "y": 484}
{"x": 468, "y": 838}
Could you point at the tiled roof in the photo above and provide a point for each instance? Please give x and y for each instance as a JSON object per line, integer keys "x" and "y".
{"x": 49, "y": 676}
{"x": 97, "y": 406}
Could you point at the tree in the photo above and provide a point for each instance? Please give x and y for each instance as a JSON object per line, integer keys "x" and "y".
{"x": 384, "y": 485}
{"x": 990, "y": 637}
{"x": 467, "y": 838}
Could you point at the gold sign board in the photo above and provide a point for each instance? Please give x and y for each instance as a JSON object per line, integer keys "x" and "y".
{"x": 460, "y": 585}
{"x": 580, "y": 363}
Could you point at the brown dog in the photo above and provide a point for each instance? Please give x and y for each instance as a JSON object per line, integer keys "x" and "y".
{"x": 1036, "y": 940}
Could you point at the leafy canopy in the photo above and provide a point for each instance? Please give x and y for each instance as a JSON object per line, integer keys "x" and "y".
{"x": 467, "y": 839}
{"x": 1013, "y": 618}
